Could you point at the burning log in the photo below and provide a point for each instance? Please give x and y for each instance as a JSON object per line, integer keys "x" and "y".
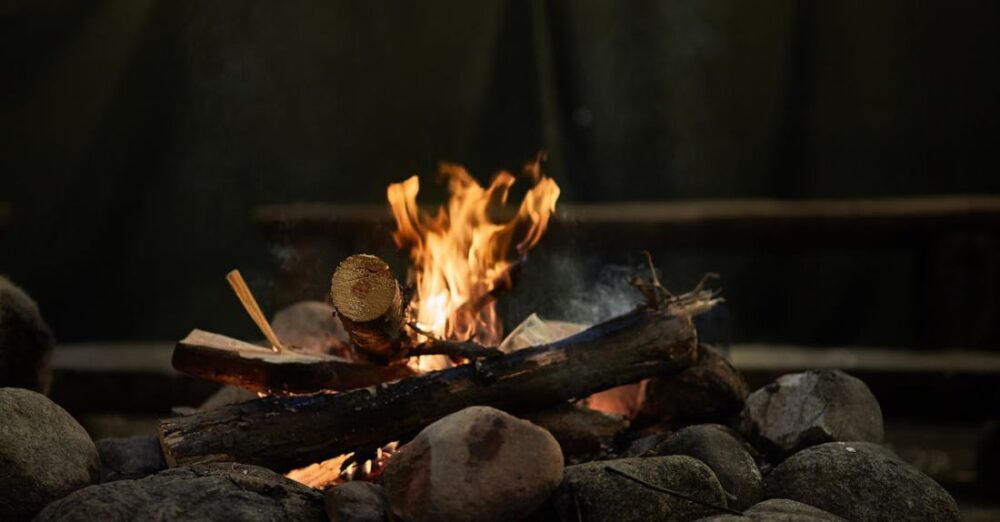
{"x": 369, "y": 302}
{"x": 226, "y": 360}
{"x": 370, "y": 305}
{"x": 287, "y": 432}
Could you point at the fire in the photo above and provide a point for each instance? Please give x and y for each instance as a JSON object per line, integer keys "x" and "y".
{"x": 461, "y": 254}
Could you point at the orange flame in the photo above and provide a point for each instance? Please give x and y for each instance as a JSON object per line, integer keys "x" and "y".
{"x": 460, "y": 255}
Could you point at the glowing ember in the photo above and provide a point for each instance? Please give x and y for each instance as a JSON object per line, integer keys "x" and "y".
{"x": 460, "y": 254}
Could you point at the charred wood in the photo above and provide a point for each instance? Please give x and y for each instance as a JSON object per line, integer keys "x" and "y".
{"x": 225, "y": 360}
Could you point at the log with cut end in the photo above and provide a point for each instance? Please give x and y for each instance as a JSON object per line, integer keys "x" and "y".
{"x": 370, "y": 305}
{"x": 286, "y": 432}
{"x": 226, "y": 360}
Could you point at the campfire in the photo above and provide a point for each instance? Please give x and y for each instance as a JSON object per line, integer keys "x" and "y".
{"x": 406, "y": 400}
{"x": 441, "y": 329}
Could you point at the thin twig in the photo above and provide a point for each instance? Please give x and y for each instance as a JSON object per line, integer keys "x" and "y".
{"x": 659, "y": 297}
{"x": 655, "y": 279}
{"x": 253, "y": 309}
{"x": 437, "y": 346}
{"x": 704, "y": 280}
{"x": 672, "y": 492}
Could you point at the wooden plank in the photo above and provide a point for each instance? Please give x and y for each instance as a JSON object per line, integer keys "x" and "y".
{"x": 135, "y": 378}
{"x": 791, "y": 358}
{"x": 711, "y": 223}
{"x": 670, "y": 213}
{"x": 956, "y": 239}
{"x": 943, "y": 384}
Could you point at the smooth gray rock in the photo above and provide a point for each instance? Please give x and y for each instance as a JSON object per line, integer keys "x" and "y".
{"x": 25, "y": 341}
{"x": 862, "y": 482}
{"x": 226, "y": 396}
{"x": 589, "y": 492}
{"x": 720, "y": 448}
{"x": 805, "y": 409}
{"x": 711, "y": 390}
{"x": 645, "y": 446}
{"x": 311, "y": 327}
{"x": 479, "y": 464}
{"x": 44, "y": 454}
{"x": 210, "y": 492}
{"x": 778, "y": 510}
{"x": 130, "y": 457}
{"x": 357, "y": 502}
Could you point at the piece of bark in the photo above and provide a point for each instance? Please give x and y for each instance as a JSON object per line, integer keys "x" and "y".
{"x": 226, "y": 360}
{"x": 369, "y": 303}
{"x": 286, "y": 432}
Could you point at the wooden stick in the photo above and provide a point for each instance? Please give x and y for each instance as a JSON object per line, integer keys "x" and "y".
{"x": 287, "y": 432}
{"x": 253, "y": 309}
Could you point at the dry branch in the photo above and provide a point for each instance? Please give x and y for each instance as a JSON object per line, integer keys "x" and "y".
{"x": 287, "y": 432}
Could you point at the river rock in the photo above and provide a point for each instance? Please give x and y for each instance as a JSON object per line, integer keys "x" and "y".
{"x": 207, "y": 492}
{"x": 710, "y": 390}
{"x": 44, "y": 453}
{"x": 862, "y": 482}
{"x": 130, "y": 457}
{"x": 25, "y": 341}
{"x": 357, "y": 501}
{"x": 645, "y": 446}
{"x": 479, "y": 464}
{"x": 720, "y": 448}
{"x": 227, "y": 396}
{"x": 805, "y": 409}
{"x": 589, "y": 492}
{"x": 311, "y": 327}
{"x": 778, "y": 510}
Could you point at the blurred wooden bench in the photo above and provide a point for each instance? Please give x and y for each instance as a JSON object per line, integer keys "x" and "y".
{"x": 133, "y": 377}
{"x": 956, "y": 237}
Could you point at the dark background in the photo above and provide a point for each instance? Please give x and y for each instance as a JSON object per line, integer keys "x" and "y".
{"x": 138, "y": 135}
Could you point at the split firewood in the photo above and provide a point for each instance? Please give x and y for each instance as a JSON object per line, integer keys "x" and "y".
{"x": 288, "y": 432}
{"x": 225, "y": 360}
{"x": 370, "y": 304}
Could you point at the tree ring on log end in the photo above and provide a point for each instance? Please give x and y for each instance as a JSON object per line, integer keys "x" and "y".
{"x": 364, "y": 289}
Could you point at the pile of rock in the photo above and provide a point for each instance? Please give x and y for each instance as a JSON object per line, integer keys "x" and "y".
{"x": 815, "y": 436}
{"x": 698, "y": 447}
{"x": 804, "y": 448}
